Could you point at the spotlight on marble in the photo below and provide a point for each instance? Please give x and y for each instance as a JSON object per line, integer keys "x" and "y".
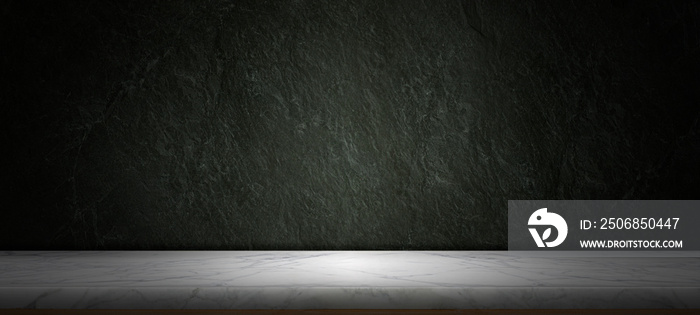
{"x": 348, "y": 280}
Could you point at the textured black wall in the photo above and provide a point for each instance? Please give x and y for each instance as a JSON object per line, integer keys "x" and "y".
{"x": 335, "y": 124}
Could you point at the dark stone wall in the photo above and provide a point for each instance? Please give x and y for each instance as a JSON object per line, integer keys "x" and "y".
{"x": 335, "y": 124}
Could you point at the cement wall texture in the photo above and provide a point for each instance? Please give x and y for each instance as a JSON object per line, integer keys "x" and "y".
{"x": 335, "y": 124}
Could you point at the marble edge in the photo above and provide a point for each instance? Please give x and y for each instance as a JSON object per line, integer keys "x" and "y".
{"x": 349, "y": 298}
{"x": 516, "y": 253}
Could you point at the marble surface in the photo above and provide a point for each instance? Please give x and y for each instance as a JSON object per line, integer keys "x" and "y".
{"x": 347, "y": 280}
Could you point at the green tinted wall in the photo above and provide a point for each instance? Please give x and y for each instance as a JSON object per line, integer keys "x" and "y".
{"x": 335, "y": 125}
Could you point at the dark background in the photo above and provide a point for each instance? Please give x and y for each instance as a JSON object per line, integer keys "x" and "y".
{"x": 335, "y": 124}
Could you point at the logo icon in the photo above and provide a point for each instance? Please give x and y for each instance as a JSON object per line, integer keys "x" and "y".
{"x": 542, "y": 217}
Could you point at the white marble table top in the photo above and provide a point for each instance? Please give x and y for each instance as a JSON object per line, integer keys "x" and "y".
{"x": 347, "y": 280}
